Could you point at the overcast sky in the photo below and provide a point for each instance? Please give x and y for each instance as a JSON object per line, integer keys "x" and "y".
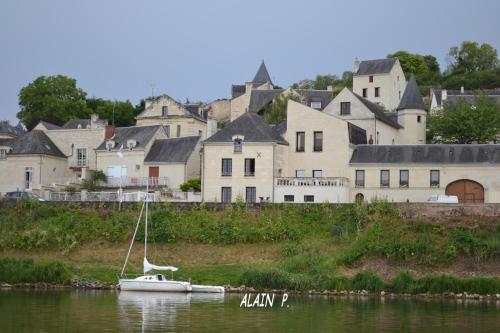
{"x": 197, "y": 49}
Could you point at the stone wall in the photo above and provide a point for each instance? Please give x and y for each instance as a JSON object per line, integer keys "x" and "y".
{"x": 410, "y": 210}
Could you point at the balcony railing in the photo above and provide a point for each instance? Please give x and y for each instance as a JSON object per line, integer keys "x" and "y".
{"x": 311, "y": 181}
{"x": 135, "y": 182}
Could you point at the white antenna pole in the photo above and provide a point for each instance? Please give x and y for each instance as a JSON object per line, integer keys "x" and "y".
{"x": 133, "y": 238}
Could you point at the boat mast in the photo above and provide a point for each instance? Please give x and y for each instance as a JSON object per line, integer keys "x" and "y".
{"x": 133, "y": 238}
{"x": 146, "y": 224}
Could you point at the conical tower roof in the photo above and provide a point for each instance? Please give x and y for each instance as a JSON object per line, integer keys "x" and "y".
{"x": 262, "y": 75}
{"x": 412, "y": 99}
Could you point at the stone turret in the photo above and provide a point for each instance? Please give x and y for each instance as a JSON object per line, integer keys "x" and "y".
{"x": 412, "y": 115}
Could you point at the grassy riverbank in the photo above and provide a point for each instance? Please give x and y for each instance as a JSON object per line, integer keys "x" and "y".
{"x": 293, "y": 247}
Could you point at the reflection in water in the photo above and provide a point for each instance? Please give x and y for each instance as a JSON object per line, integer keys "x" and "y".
{"x": 158, "y": 311}
{"x": 109, "y": 311}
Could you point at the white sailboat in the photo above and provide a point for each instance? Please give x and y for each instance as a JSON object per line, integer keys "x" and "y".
{"x": 157, "y": 282}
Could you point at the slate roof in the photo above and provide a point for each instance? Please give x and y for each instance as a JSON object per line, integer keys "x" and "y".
{"x": 469, "y": 95}
{"x": 412, "y": 99}
{"x": 260, "y": 98}
{"x": 237, "y": 90}
{"x": 311, "y": 95}
{"x": 252, "y": 127}
{"x": 379, "y": 112}
{"x": 174, "y": 150}
{"x": 34, "y": 142}
{"x": 49, "y": 126}
{"x": 262, "y": 75}
{"x": 357, "y": 135}
{"x": 281, "y": 127}
{"x": 7, "y": 128}
{"x": 426, "y": 154}
{"x": 73, "y": 124}
{"x": 378, "y": 66}
{"x": 469, "y": 98}
{"x": 141, "y": 134}
{"x": 6, "y": 142}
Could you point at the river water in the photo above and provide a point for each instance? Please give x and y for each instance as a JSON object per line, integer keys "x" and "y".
{"x": 109, "y": 311}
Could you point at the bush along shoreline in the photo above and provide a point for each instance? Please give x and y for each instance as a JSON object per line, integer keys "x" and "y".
{"x": 316, "y": 243}
{"x": 26, "y": 274}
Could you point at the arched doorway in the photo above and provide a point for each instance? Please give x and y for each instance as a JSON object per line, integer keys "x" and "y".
{"x": 467, "y": 191}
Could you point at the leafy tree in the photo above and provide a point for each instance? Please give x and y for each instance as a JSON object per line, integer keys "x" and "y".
{"x": 465, "y": 123}
{"x": 432, "y": 63}
{"x": 122, "y": 113}
{"x": 473, "y": 80}
{"x": 275, "y": 112}
{"x": 56, "y": 99}
{"x": 472, "y": 57}
{"x": 411, "y": 63}
{"x": 194, "y": 184}
{"x": 323, "y": 81}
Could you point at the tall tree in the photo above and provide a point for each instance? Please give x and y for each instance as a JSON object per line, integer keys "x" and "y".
{"x": 472, "y": 57}
{"x": 411, "y": 63}
{"x": 119, "y": 112}
{"x": 53, "y": 98}
{"x": 275, "y": 112}
{"x": 463, "y": 122}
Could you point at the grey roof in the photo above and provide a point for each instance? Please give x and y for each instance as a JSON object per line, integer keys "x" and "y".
{"x": 252, "y": 127}
{"x": 260, "y": 98}
{"x": 77, "y": 123}
{"x": 438, "y": 94}
{"x": 357, "y": 135}
{"x": 281, "y": 127}
{"x": 311, "y": 95}
{"x": 49, "y": 126}
{"x": 172, "y": 150}
{"x": 379, "y": 113}
{"x": 34, "y": 142}
{"x": 262, "y": 75}
{"x": 141, "y": 134}
{"x": 237, "y": 90}
{"x": 427, "y": 154}
{"x": 378, "y": 66}
{"x": 6, "y": 142}
{"x": 7, "y": 128}
{"x": 412, "y": 99}
{"x": 469, "y": 98}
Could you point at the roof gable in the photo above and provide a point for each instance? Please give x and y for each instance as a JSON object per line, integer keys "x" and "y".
{"x": 378, "y": 111}
{"x": 252, "y": 127}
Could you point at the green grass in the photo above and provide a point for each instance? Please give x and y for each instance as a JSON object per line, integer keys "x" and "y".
{"x": 13, "y": 270}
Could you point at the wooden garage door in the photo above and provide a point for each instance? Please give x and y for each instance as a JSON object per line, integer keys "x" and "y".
{"x": 468, "y": 191}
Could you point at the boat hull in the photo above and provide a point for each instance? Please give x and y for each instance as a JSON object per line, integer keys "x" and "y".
{"x": 197, "y": 288}
{"x": 141, "y": 285}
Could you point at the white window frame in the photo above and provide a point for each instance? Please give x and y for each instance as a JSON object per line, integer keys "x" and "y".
{"x": 81, "y": 157}
{"x": 316, "y": 105}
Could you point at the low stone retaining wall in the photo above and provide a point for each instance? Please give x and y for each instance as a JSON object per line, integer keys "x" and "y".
{"x": 411, "y": 210}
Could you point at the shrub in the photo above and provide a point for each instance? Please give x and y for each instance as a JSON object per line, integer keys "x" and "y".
{"x": 403, "y": 283}
{"x": 194, "y": 184}
{"x": 367, "y": 280}
{"x": 14, "y": 270}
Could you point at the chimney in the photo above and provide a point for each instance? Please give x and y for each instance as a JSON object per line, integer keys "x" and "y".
{"x": 356, "y": 65}
{"x": 462, "y": 90}
{"x": 109, "y": 132}
{"x": 329, "y": 88}
{"x": 444, "y": 94}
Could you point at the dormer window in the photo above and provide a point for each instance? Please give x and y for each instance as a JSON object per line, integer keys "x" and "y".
{"x": 131, "y": 144}
{"x": 315, "y": 104}
{"x": 79, "y": 126}
{"x": 237, "y": 145}
{"x": 110, "y": 145}
{"x": 88, "y": 126}
{"x": 238, "y": 142}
